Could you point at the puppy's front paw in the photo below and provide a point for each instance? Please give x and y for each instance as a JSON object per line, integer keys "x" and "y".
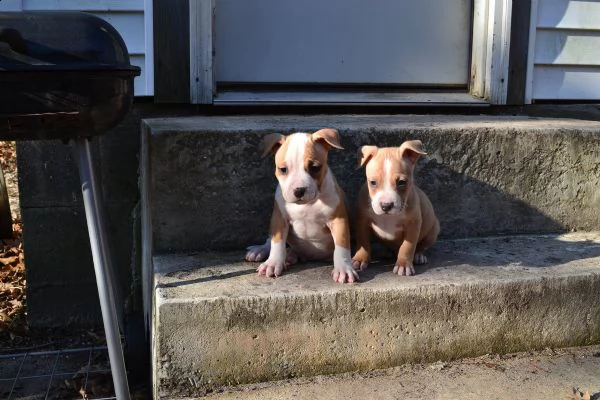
{"x": 344, "y": 274}
{"x": 404, "y": 267}
{"x": 258, "y": 252}
{"x": 419, "y": 259}
{"x": 271, "y": 268}
{"x": 360, "y": 261}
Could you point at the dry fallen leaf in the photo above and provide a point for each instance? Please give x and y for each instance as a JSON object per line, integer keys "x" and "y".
{"x": 83, "y": 394}
{"x": 8, "y": 260}
{"x": 12, "y": 288}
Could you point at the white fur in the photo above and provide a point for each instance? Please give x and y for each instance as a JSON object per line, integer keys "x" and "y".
{"x": 275, "y": 264}
{"x": 258, "y": 252}
{"x": 309, "y": 231}
{"x": 297, "y": 176}
{"x": 342, "y": 258}
{"x": 385, "y": 227}
{"x": 342, "y": 266}
{"x": 387, "y": 193}
{"x": 307, "y": 235}
{"x": 277, "y": 254}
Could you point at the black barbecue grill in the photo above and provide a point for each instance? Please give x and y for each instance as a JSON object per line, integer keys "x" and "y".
{"x": 62, "y": 75}
{"x": 66, "y": 75}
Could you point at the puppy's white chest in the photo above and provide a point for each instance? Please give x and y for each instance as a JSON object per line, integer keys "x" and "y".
{"x": 309, "y": 220}
{"x": 387, "y": 227}
{"x": 309, "y": 235}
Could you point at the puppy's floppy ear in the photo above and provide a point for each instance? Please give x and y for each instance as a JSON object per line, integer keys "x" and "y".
{"x": 365, "y": 153}
{"x": 329, "y": 137}
{"x": 412, "y": 150}
{"x": 271, "y": 143}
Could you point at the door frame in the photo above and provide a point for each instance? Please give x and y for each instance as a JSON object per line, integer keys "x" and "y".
{"x": 490, "y": 46}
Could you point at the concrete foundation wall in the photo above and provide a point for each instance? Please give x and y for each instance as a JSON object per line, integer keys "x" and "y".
{"x": 61, "y": 286}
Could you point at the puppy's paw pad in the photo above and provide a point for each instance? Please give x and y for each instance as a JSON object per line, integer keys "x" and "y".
{"x": 344, "y": 275}
{"x": 358, "y": 265}
{"x": 291, "y": 257}
{"x": 419, "y": 259}
{"x": 270, "y": 269}
{"x": 404, "y": 268}
{"x": 257, "y": 253}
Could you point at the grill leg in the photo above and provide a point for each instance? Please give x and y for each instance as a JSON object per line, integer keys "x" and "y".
{"x": 100, "y": 256}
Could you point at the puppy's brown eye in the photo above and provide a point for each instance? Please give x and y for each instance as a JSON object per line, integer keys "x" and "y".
{"x": 283, "y": 170}
{"x": 373, "y": 184}
{"x": 400, "y": 183}
{"x": 314, "y": 168}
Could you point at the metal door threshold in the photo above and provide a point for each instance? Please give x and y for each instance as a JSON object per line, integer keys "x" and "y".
{"x": 346, "y": 98}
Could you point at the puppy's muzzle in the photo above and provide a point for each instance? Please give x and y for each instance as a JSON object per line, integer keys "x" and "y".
{"x": 386, "y": 207}
{"x": 299, "y": 192}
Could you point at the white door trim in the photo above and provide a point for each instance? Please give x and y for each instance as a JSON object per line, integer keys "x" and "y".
{"x": 497, "y": 83}
{"x": 531, "y": 52}
{"x": 489, "y": 65}
{"x": 149, "y": 46}
{"x": 490, "y": 51}
{"x": 479, "y": 48}
{"x": 202, "y": 79}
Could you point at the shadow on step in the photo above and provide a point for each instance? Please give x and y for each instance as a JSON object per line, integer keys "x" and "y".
{"x": 484, "y": 183}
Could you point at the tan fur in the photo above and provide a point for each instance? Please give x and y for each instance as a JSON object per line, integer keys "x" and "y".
{"x": 339, "y": 225}
{"x": 410, "y": 226}
{"x": 310, "y": 213}
{"x": 278, "y": 224}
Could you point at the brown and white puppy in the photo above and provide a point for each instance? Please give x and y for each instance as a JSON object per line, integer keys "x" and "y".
{"x": 310, "y": 213}
{"x": 393, "y": 207}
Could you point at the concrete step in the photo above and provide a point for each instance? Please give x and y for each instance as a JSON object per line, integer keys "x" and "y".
{"x": 205, "y": 185}
{"x": 217, "y": 323}
{"x": 207, "y": 194}
{"x": 570, "y": 373}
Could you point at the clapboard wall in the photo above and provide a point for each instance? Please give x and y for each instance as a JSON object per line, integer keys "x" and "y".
{"x": 132, "y": 18}
{"x": 565, "y": 53}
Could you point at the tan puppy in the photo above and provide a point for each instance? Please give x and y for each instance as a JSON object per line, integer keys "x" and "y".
{"x": 393, "y": 207}
{"x": 310, "y": 212}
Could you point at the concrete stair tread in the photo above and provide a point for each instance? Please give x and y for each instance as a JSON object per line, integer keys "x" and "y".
{"x": 204, "y": 275}
{"x": 221, "y": 324}
{"x": 364, "y": 122}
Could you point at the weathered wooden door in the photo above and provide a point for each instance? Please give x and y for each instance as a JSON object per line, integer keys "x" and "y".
{"x": 423, "y": 43}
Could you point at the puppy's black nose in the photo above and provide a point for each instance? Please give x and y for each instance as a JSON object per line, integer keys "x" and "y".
{"x": 386, "y": 206}
{"x": 299, "y": 192}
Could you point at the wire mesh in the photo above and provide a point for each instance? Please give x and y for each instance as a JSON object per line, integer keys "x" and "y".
{"x": 82, "y": 373}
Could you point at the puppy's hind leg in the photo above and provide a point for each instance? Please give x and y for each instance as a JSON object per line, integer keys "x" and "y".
{"x": 426, "y": 243}
{"x": 258, "y": 252}
{"x": 291, "y": 257}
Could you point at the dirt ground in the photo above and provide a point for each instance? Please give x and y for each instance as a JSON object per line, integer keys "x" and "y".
{"x": 16, "y": 338}
{"x": 15, "y": 335}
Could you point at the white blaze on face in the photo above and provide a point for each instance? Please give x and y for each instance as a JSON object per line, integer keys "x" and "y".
{"x": 385, "y": 195}
{"x": 297, "y": 179}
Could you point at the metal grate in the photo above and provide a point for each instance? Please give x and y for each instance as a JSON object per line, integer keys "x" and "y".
{"x": 60, "y": 374}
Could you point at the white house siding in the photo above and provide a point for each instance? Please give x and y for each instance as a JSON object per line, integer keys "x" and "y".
{"x": 566, "y": 50}
{"x": 131, "y": 18}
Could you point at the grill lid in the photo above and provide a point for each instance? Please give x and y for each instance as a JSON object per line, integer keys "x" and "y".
{"x": 60, "y": 41}
{"x": 62, "y": 74}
